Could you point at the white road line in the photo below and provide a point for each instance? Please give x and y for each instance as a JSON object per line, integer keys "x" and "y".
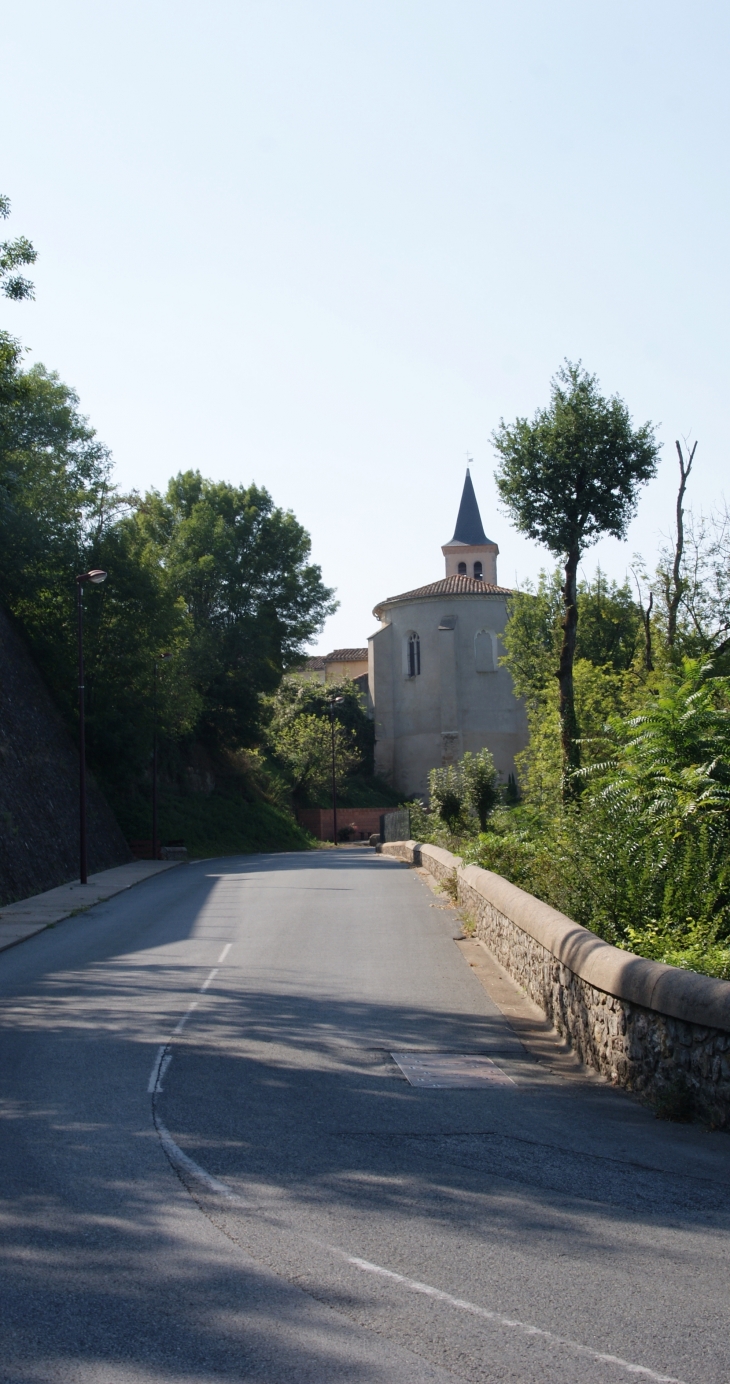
{"x": 181, "y": 1161}
{"x": 185, "y": 1017}
{"x": 225, "y": 952}
{"x": 206, "y": 983}
{"x": 167, "y": 1059}
{"x": 152, "y": 1083}
{"x": 524, "y": 1327}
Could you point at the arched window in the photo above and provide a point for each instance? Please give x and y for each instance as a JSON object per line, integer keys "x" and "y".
{"x": 414, "y": 655}
{"x": 461, "y": 569}
{"x": 478, "y": 571}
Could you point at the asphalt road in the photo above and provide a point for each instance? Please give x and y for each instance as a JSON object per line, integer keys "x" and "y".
{"x": 250, "y": 1189}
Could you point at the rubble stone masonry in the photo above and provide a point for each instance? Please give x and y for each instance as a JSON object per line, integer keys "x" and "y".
{"x": 643, "y": 1025}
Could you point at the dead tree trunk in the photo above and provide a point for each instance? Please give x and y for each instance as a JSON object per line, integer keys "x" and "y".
{"x": 674, "y": 584}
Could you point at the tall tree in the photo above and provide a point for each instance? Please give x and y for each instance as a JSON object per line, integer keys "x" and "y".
{"x": 566, "y": 478}
{"x": 242, "y": 568}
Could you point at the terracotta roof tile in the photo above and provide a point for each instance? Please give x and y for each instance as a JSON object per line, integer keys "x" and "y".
{"x": 346, "y": 656}
{"x": 448, "y": 586}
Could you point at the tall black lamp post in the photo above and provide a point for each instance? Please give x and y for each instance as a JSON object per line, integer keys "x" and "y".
{"x": 96, "y": 577}
{"x": 332, "y": 703}
{"x": 155, "y": 841}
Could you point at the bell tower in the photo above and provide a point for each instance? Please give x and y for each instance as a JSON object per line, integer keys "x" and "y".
{"x": 470, "y": 553}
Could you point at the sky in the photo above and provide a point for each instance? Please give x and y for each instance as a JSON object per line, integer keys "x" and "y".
{"x": 326, "y": 245}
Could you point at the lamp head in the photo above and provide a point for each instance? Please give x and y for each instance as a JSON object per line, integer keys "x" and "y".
{"x": 96, "y": 576}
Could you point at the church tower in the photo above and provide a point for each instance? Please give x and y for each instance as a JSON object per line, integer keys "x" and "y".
{"x": 470, "y": 553}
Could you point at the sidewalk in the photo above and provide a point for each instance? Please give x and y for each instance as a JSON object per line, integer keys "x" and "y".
{"x": 28, "y": 916}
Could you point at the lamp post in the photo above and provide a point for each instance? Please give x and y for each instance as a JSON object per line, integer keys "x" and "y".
{"x": 155, "y": 843}
{"x": 96, "y": 577}
{"x": 332, "y": 702}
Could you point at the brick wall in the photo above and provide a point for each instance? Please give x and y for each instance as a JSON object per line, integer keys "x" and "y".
{"x": 363, "y": 820}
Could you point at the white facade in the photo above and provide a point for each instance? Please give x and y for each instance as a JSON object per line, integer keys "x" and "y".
{"x": 433, "y": 671}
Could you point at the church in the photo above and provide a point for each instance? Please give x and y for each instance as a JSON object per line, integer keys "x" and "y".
{"x": 434, "y": 680}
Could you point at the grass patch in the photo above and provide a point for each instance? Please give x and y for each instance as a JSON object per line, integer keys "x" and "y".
{"x": 217, "y": 823}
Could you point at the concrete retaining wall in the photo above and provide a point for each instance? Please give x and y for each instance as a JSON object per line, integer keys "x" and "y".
{"x": 640, "y": 1023}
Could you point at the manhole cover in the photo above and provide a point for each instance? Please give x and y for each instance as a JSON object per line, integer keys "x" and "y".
{"x": 450, "y": 1069}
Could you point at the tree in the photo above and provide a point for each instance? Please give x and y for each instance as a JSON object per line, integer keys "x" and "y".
{"x": 14, "y": 253}
{"x": 566, "y": 478}
{"x": 298, "y": 695}
{"x": 241, "y": 567}
{"x": 303, "y": 746}
{"x": 446, "y": 790}
{"x": 479, "y": 778}
{"x": 701, "y": 627}
{"x": 673, "y": 582}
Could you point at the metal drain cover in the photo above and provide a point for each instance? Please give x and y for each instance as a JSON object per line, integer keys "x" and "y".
{"x": 450, "y": 1069}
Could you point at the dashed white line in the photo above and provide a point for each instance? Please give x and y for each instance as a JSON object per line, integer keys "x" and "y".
{"x": 225, "y": 952}
{"x": 152, "y": 1083}
{"x": 206, "y": 983}
{"x": 179, "y": 1028}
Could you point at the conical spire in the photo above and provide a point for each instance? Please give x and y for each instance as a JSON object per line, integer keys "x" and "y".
{"x": 469, "y": 521}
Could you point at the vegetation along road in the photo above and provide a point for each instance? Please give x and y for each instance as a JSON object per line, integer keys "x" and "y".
{"x": 213, "y": 1168}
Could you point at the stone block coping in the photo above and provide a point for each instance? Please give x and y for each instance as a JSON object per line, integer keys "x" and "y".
{"x": 668, "y": 990}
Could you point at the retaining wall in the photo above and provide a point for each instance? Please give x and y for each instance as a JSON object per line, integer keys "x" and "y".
{"x": 640, "y": 1023}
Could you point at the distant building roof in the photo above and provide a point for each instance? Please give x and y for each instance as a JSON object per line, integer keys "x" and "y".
{"x": 469, "y": 527}
{"x": 318, "y": 662}
{"x": 448, "y": 586}
{"x": 346, "y": 656}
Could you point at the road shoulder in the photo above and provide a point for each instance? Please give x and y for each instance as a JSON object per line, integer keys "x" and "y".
{"x": 24, "y": 919}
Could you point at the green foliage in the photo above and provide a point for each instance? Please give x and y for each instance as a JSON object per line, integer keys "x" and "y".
{"x": 574, "y": 472}
{"x": 460, "y": 795}
{"x": 609, "y": 624}
{"x": 222, "y": 822}
{"x": 13, "y": 254}
{"x": 644, "y": 858}
{"x": 479, "y": 780}
{"x": 216, "y": 576}
{"x": 241, "y": 567}
{"x": 446, "y": 791}
{"x": 299, "y": 736}
{"x": 566, "y": 478}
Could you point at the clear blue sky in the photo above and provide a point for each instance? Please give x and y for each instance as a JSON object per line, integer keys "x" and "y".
{"x": 325, "y": 245}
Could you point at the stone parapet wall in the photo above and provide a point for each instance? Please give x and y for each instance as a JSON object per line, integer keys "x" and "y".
{"x": 641, "y": 1024}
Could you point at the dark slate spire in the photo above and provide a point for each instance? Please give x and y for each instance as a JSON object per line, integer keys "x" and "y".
{"x": 469, "y": 522}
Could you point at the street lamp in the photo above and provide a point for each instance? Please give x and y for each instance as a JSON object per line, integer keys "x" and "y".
{"x": 96, "y": 577}
{"x": 155, "y": 846}
{"x": 332, "y": 701}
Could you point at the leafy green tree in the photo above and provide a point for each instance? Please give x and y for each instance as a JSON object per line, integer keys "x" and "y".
{"x": 479, "y": 779}
{"x": 242, "y": 568}
{"x": 446, "y": 791}
{"x": 299, "y": 695}
{"x": 566, "y": 478}
{"x": 609, "y": 623}
{"x": 13, "y": 254}
{"x": 303, "y": 746}
{"x": 298, "y": 735}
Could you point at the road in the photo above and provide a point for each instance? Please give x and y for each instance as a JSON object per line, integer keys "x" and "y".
{"x": 211, "y": 1167}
